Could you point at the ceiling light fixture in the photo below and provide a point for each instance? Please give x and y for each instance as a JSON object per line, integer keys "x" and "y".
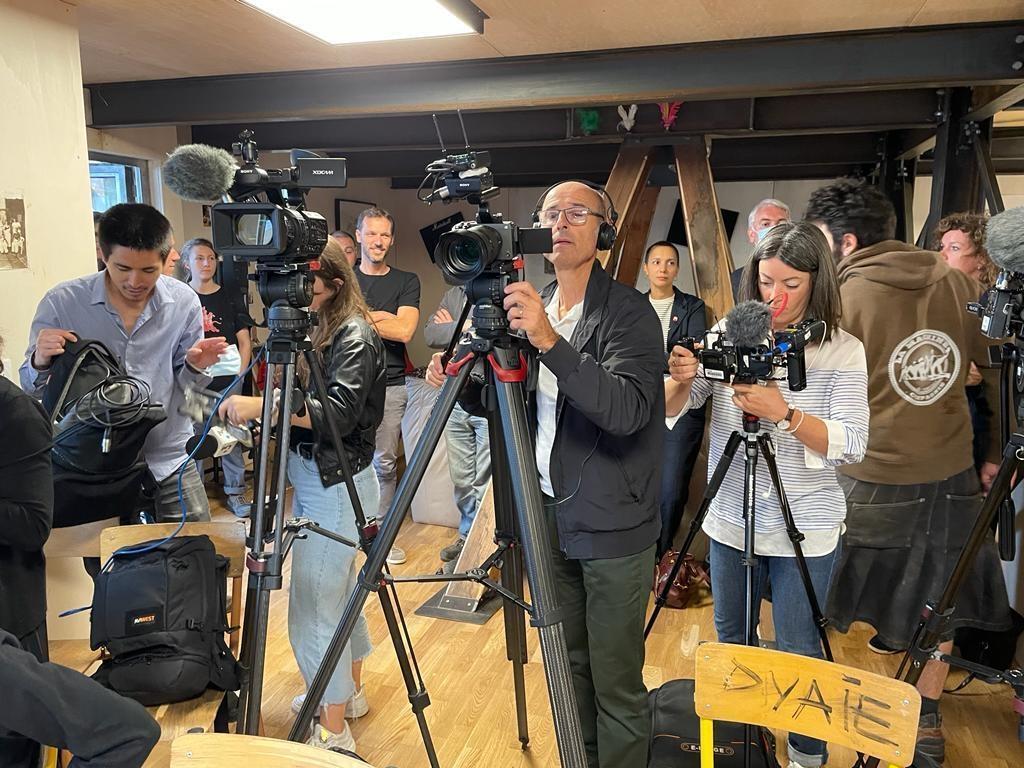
{"x": 340, "y": 23}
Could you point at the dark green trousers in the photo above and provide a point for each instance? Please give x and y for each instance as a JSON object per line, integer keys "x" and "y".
{"x": 603, "y": 603}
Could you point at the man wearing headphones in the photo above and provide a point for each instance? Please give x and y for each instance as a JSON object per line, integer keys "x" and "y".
{"x": 599, "y": 409}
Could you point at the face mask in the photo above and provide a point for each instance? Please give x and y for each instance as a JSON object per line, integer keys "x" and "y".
{"x": 228, "y": 364}
{"x": 761, "y": 233}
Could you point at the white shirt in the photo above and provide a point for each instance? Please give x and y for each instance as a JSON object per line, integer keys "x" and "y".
{"x": 547, "y": 392}
{"x": 663, "y": 307}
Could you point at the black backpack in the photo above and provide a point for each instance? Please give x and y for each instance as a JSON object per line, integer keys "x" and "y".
{"x": 83, "y": 365}
{"x": 90, "y": 483}
{"x": 675, "y": 734}
{"x": 161, "y": 616}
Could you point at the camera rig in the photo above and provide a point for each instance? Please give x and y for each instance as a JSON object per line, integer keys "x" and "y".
{"x": 264, "y": 220}
{"x": 724, "y": 360}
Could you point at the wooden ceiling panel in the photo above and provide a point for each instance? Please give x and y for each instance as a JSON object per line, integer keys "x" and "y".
{"x": 125, "y": 40}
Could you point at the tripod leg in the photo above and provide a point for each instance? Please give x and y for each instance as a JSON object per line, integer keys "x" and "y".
{"x": 418, "y": 697}
{"x": 515, "y": 638}
{"x": 370, "y": 575}
{"x": 511, "y": 572}
{"x": 768, "y": 452}
{"x": 930, "y": 634}
{"x": 267, "y": 567}
{"x": 709, "y": 495}
{"x": 529, "y": 505}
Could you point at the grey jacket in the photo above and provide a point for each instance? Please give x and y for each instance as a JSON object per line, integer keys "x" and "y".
{"x": 439, "y": 334}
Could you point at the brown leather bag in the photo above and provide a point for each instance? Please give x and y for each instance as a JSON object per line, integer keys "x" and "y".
{"x": 684, "y": 589}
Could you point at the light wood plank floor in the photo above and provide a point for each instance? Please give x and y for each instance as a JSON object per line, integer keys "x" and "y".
{"x": 472, "y": 712}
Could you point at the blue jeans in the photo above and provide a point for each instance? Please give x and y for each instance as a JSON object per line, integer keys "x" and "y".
{"x": 233, "y": 466}
{"x": 324, "y": 574}
{"x": 469, "y": 463}
{"x": 795, "y": 631}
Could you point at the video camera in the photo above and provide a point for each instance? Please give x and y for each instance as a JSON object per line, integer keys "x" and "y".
{"x": 1002, "y": 314}
{"x": 262, "y": 216}
{"x": 486, "y": 254}
{"x": 726, "y": 361}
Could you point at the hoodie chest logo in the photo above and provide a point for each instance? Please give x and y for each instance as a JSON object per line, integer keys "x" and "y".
{"x": 924, "y": 366}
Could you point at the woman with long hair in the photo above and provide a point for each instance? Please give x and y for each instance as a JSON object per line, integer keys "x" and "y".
{"x": 814, "y": 431}
{"x": 323, "y": 572}
{"x": 223, "y": 315}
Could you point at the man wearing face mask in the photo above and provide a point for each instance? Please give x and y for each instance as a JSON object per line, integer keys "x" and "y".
{"x": 916, "y": 495}
{"x": 763, "y": 216}
{"x": 598, "y": 413}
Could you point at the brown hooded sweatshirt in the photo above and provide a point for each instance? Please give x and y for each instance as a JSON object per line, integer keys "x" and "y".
{"x": 907, "y": 306}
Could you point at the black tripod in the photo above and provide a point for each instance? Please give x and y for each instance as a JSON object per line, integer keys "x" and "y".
{"x": 755, "y": 443}
{"x": 289, "y": 327}
{"x": 504, "y": 366}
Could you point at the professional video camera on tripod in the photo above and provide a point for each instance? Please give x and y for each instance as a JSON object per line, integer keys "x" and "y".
{"x": 743, "y": 350}
{"x": 264, "y": 221}
{"x": 485, "y": 256}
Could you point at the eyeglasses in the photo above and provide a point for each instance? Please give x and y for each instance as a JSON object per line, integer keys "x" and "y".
{"x": 577, "y": 215}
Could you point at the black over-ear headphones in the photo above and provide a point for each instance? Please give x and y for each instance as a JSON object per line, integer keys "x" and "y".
{"x": 606, "y": 232}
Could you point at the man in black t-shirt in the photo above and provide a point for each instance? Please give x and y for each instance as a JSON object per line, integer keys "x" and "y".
{"x": 394, "y": 298}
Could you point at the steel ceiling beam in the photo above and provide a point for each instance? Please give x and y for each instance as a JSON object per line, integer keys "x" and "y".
{"x": 880, "y": 60}
{"x": 798, "y": 115}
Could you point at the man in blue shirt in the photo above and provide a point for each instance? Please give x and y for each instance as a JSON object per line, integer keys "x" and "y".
{"x": 153, "y": 324}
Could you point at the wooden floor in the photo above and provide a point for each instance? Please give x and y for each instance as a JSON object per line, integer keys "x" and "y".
{"x": 472, "y": 714}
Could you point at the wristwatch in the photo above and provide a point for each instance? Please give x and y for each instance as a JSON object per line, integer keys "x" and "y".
{"x": 784, "y": 424}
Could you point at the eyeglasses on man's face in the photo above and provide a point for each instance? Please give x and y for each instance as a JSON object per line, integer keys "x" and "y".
{"x": 576, "y": 215}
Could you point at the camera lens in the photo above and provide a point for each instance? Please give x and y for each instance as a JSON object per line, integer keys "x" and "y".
{"x": 465, "y": 253}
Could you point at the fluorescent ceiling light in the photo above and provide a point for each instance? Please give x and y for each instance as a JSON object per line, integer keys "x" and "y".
{"x": 363, "y": 21}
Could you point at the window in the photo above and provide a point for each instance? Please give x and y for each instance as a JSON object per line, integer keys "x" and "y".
{"x": 117, "y": 180}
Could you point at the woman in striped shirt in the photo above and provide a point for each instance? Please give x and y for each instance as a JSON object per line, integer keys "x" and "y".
{"x": 814, "y": 431}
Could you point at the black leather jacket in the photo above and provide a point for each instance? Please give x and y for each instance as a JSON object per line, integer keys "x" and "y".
{"x": 609, "y": 422}
{"x": 356, "y": 381}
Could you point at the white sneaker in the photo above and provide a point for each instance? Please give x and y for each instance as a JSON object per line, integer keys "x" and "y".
{"x": 325, "y": 739}
{"x": 396, "y": 556}
{"x": 355, "y": 707}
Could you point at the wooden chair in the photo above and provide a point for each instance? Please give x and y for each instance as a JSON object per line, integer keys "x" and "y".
{"x": 214, "y": 750}
{"x": 72, "y": 544}
{"x": 870, "y": 713}
{"x": 228, "y": 539}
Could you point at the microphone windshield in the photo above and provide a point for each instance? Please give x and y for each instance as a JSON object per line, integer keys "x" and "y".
{"x": 1004, "y": 239}
{"x": 199, "y": 172}
{"x": 749, "y": 324}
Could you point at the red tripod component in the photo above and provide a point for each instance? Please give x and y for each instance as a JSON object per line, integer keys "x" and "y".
{"x": 508, "y": 375}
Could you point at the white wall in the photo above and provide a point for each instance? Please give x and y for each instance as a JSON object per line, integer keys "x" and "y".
{"x": 43, "y": 157}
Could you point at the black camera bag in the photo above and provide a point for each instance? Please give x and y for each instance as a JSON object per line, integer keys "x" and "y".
{"x": 88, "y": 483}
{"x": 675, "y": 734}
{"x": 161, "y": 616}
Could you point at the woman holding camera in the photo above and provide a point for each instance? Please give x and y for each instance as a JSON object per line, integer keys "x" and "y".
{"x": 324, "y": 572}
{"x": 814, "y": 430}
